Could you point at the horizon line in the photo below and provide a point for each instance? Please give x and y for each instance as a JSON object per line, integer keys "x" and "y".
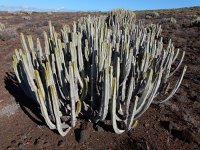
{"x": 63, "y": 9}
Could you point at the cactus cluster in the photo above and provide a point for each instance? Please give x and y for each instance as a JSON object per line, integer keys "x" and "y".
{"x": 107, "y": 66}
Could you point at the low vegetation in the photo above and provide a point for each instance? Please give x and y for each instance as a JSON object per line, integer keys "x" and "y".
{"x": 2, "y": 27}
{"x": 7, "y": 33}
{"x": 196, "y": 22}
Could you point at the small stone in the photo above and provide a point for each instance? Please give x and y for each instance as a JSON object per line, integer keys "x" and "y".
{"x": 146, "y": 125}
{"x": 24, "y": 136}
{"x": 61, "y": 143}
{"x": 46, "y": 144}
{"x": 161, "y": 106}
{"x": 198, "y": 130}
{"x": 172, "y": 125}
{"x": 20, "y": 145}
{"x": 187, "y": 85}
{"x": 196, "y": 105}
{"x": 168, "y": 125}
{"x": 99, "y": 128}
{"x": 39, "y": 143}
{"x": 182, "y": 98}
{"x": 187, "y": 136}
{"x": 13, "y": 142}
{"x": 174, "y": 107}
{"x": 198, "y": 99}
{"x": 167, "y": 103}
{"x": 193, "y": 95}
{"x": 9, "y": 148}
{"x": 86, "y": 125}
{"x": 84, "y": 136}
{"x": 181, "y": 92}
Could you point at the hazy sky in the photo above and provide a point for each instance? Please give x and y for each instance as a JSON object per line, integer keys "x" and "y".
{"x": 101, "y": 5}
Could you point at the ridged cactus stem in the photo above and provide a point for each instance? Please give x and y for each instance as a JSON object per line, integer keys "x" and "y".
{"x": 113, "y": 107}
{"x": 72, "y": 95}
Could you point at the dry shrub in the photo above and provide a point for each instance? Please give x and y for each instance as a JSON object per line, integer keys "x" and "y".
{"x": 196, "y": 22}
{"x": 2, "y": 27}
{"x": 170, "y": 20}
{"x": 26, "y": 17}
{"x": 8, "y": 33}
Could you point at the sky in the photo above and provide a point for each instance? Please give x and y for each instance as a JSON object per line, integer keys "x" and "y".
{"x": 96, "y": 5}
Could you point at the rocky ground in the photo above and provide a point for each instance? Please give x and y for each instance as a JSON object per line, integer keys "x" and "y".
{"x": 173, "y": 125}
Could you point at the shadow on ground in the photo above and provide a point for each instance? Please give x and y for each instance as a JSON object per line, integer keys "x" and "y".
{"x": 29, "y": 107}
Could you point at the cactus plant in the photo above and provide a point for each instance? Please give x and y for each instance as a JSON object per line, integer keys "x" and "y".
{"x": 102, "y": 65}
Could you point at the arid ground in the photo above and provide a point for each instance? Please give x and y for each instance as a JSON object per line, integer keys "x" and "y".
{"x": 173, "y": 125}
